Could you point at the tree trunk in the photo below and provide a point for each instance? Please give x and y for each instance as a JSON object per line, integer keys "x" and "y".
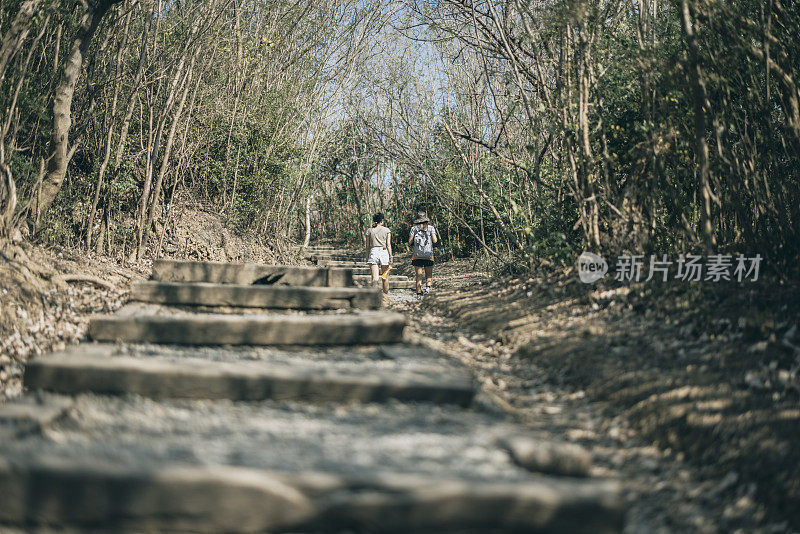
{"x": 112, "y": 115}
{"x": 359, "y": 204}
{"x": 307, "y": 239}
{"x": 16, "y": 34}
{"x": 148, "y": 180}
{"x": 152, "y": 158}
{"x": 12, "y": 42}
{"x": 700, "y": 98}
{"x": 58, "y": 152}
{"x": 165, "y": 159}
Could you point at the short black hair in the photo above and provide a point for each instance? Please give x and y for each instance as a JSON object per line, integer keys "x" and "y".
{"x": 377, "y": 218}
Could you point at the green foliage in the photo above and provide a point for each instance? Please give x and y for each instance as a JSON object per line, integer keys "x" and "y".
{"x": 576, "y": 130}
{"x": 242, "y": 137}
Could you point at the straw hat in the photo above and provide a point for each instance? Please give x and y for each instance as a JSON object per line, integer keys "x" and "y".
{"x": 421, "y": 217}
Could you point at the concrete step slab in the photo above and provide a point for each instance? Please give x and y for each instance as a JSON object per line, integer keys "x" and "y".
{"x": 393, "y": 284}
{"x": 434, "y": 440}
{"x": 361, "y": 264}
{"x": 368, "y": 277}
{"x": 134, "y": 464}
{"x": 163, "y": 373}
{"x": 317, "y": 247}
{"x": 334, "y": 256}
{"x": 323, "y": 251}
{"x": 215, "y": 329}
{"x": 235, "y": 499}
{"x": 256, "y": 296}
{"x": 342, "y": 264}
{"x": 340, "y": 252}
{"x": 249, "y": 273}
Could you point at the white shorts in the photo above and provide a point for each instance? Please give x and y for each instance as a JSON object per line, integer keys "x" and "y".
{"x": 378, "y": 256}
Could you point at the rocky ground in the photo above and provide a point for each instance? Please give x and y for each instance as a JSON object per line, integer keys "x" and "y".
{"x": 688, "y": 394}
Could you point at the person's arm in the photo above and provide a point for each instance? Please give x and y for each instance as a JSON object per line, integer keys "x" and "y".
{"x": 411, "y": 236}
{"x": 366, "y": 245}
{"x": 434, "y": 237}
{"x": 389, "y": 245}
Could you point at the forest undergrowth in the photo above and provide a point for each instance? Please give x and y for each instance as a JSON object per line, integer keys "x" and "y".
{"x": 709, "y": 373}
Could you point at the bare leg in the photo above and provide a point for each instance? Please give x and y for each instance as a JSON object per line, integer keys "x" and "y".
{"x": 374, "y": 270}
{"x": 420, "y": 273}
{"x": 385, "y": 268}
{"x": 428, "y": 276}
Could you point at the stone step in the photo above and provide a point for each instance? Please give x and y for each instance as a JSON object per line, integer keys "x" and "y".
{"x": 357, "y": 264}
{"x": 393, "y": 284}
{"x": 95, "y": 494}
{"x": 322, "y": 252}
{"x": 367, "y": 277}
{"x": 158, "y": 372}
{"x": 416, "y": 437}
{"x": 317, "y": 258}
{"x": 249, "y": 273}
{"x": 318, "y": 247}
{"x": 342, "y": 264}
{"x": 334, "y": 252}
{"x": 215, "y": 329}
{"x": 256, "y": 296}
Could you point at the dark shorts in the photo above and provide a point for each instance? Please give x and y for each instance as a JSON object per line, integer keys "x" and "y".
{"x": 422, "y": 263}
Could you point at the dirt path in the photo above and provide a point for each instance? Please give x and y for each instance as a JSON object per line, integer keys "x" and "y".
{"x": 494, "y": 326}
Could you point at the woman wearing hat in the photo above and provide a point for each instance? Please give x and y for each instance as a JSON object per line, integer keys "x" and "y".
{"x": 422, "y": 238}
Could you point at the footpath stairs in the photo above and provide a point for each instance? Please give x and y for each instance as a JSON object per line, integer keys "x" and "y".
{"x": 327, "y": 256}
{"x": 252, "y": 398}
